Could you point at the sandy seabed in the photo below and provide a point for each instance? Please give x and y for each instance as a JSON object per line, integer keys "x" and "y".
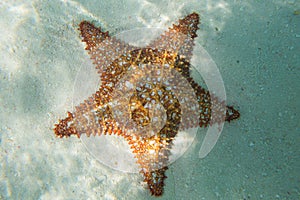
{"x": 255, "y": 45}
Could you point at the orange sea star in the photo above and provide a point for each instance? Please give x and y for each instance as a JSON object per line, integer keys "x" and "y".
{"x": 168, "y": 54}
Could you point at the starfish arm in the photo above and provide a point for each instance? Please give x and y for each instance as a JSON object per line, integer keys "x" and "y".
{"x": 212, "y": 109}
{"x": 179, "y": 39}
{"x": 82, "y": 121}
{"x": 91, "y": 117}
{"x": 155, "y": 181}
{"x": 63, "y": 129}
{"x": 152, "y": 155}
{"x": 92, "y": 35}
{"x": 231, "y": 113}
{"x": 103, "y": 48}
{"x": 207, "y": 102}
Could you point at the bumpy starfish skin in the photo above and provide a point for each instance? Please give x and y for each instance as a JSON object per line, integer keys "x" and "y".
{"x": 114, "y": 60}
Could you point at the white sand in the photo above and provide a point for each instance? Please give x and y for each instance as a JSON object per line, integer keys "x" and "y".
{"x": 256, "y": 46}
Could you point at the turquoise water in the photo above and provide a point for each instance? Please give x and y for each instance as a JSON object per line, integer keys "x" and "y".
{"x": 255, "y": 46}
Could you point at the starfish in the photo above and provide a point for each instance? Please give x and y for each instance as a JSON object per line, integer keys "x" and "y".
{"x": 156, "y": 74}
